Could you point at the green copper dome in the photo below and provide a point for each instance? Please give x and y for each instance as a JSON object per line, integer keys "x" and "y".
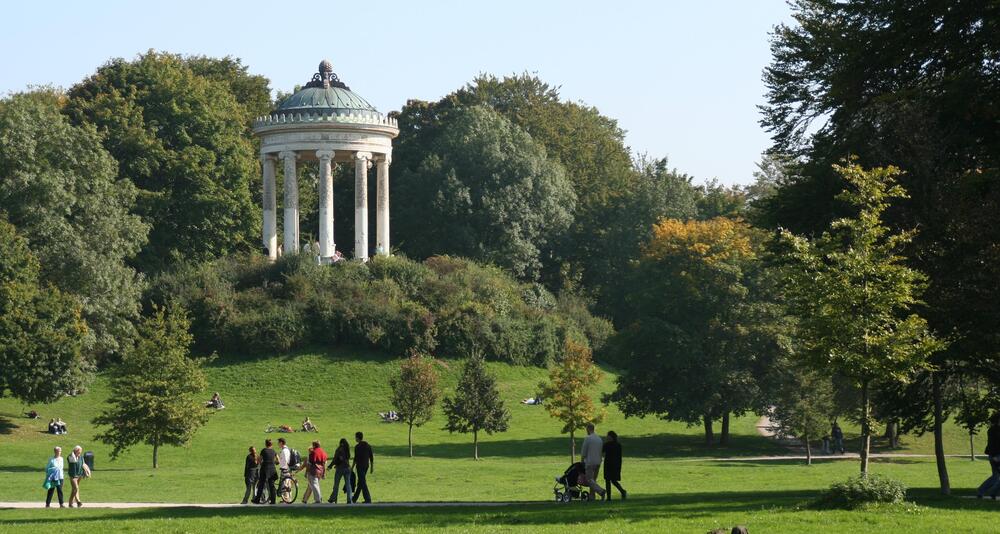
{"x": 324, "y": 94}
{"x": 324, "y": 100}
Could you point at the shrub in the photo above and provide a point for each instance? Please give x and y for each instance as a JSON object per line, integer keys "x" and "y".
{"x": 862, "y": 490}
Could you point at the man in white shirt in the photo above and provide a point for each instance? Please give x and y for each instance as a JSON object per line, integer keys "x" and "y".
{"x": 284, "y": 455}
{"x": 590, "y": 455}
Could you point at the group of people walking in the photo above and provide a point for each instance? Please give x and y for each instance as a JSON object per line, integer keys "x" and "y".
{"x": 54, "y": 476}
{"x": 261, "y": 471}
{"x": 610, "y": 450}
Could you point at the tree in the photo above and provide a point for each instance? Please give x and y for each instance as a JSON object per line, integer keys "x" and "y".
{"x": 156, "y": 389}
{"x": 699, "y": 358}
{"x": 181, "y": 138}
{"x": 59, "y": 186}
{"x": 485, "y": 190}
{"x": 803, "y": 402}
{"x": 912, "y": 85}
{"x": 41, "y": 330}
{"x": 567, "y": 394}
{"x": 476, "y": 405}
{"x": 415, "y": 393}
{"x": 853, "y": 295}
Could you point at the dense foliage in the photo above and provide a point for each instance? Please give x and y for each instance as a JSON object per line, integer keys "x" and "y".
{"x": 484, "y": 190}
{"x": 863, "y": 490}
{"x": 41, "y": 331}
{"x": 182, "y": 138}
{"x": 58, "y": 186}
{"x": 698, "y": 334}
{"x": 445, "y": 306}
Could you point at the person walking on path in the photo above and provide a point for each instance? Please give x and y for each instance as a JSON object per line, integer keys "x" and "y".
{"x": 341, "y": 464}
{"x": 54, "y": 477}
{"x": 613, "y": 465}
{"x": 838, "y": 438}
{"x": 364, "y": 461}
{"x": 590, "y": 454}
{"x": 315, "y": 471}
{"x": 250, "y": 471}
{"x": 78, "y": 470}
{"x": 991, "y": 486}
{"x": 268, "y": 475}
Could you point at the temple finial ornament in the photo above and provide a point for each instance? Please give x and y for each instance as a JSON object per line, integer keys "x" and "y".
{"x": 326, "y": 77}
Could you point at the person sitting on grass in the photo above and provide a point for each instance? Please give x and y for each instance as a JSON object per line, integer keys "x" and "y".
{"x": 216, "y": 402}
{"x": 32, "y": 415}
{"x": 308, "y": 426}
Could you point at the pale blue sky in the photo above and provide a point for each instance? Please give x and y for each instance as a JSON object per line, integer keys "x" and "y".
{"x": 682, "y": 77}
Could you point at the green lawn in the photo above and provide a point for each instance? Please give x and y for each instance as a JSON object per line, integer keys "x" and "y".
{"x": 670, "y": 488}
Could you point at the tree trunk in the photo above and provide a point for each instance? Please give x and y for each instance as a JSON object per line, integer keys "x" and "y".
{"x": 809, "y": 454}
{"x": 724, "y": 436}
{"x": 709, "y": 433}
{"x": 572, "y": 446}
{"x": 475, "y": 442}
{"x": 866, "y": 429}
{"x": 409, "y": 439}
{"x": 156, "y": 451}
{"x": 972, "y": 448}
{"x": 939, "y": 434}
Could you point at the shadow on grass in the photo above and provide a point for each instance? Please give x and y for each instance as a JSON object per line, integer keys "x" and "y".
{"x": 7, "y": 426}
{"x": 651, "y": 446}
{"x": 530, "y": 513}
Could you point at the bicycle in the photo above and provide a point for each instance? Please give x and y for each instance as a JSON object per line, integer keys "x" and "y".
{"x": 288, "y": 487}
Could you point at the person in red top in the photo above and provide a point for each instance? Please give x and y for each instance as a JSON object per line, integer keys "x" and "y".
{"x": 315, "y": 471}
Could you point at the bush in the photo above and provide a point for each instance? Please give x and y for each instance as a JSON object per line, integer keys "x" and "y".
{"x": 450, "y": 305}
{"x": 862, "y": 490}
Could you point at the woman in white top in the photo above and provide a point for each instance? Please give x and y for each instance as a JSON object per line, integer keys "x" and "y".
{"x": 54, "y": 477}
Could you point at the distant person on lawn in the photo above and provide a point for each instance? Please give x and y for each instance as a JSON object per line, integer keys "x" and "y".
{"x": 54, "y": 477}
{"x": 590, "y": 454}
{"x": 250, "y": 472}
{"x": 364, "y": 461}
{"x": 838, "y": 438}
{"x": 341, "y": 464}
{"x": 613, "y": 465}
{"x": 991, "y": 486}
{"x": 78, "y": 470}
{"x": 268, "y": 474}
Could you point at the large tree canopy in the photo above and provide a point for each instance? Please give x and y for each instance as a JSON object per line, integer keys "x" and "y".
{"x": 181, "y": 137}
{"x": 59, "y": 187}
{"x": 41, "y": 331}
{"x": 486, "y": 190}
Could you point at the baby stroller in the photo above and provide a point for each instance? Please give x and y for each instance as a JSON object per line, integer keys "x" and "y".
{"x": 572, "y": 484}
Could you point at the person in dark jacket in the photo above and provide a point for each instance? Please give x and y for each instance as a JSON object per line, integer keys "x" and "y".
{"x": 613, "y": 465}
{"x": 250, "y": 473}
{"x": 991, "y": 486}
{"x": 268, "y": 473}
{"x": 364, "y": 461}
{"x": 341, "y": 463}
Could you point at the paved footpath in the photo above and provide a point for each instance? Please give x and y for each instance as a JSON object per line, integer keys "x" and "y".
{"x": 124, "y": 505}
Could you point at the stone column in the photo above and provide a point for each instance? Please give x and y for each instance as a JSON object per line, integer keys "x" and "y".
{"x": 361, "y": 162}
{"x": 291, "y": 204}
{"x": 382, "y": 207}
{"x": 326, "y": 245}
{"x": 270, "y": 230}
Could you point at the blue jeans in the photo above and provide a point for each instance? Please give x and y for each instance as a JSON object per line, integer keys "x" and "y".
{"x": 991, "y": 486}
{"x": 344, "y": 472}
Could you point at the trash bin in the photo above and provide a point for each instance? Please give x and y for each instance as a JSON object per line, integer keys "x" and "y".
{"x": 88, "y": 458}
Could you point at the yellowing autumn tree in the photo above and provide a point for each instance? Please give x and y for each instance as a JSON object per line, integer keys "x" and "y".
{"x": 567, "y": 393}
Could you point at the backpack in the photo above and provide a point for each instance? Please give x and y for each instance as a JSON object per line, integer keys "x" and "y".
{"x": 294, "y": 459}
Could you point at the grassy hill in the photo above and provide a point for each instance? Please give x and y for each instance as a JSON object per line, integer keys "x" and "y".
{"x": 342, "y": 391}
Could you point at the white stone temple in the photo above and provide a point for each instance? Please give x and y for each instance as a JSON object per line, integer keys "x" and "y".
{"x": 327, "y": 123}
